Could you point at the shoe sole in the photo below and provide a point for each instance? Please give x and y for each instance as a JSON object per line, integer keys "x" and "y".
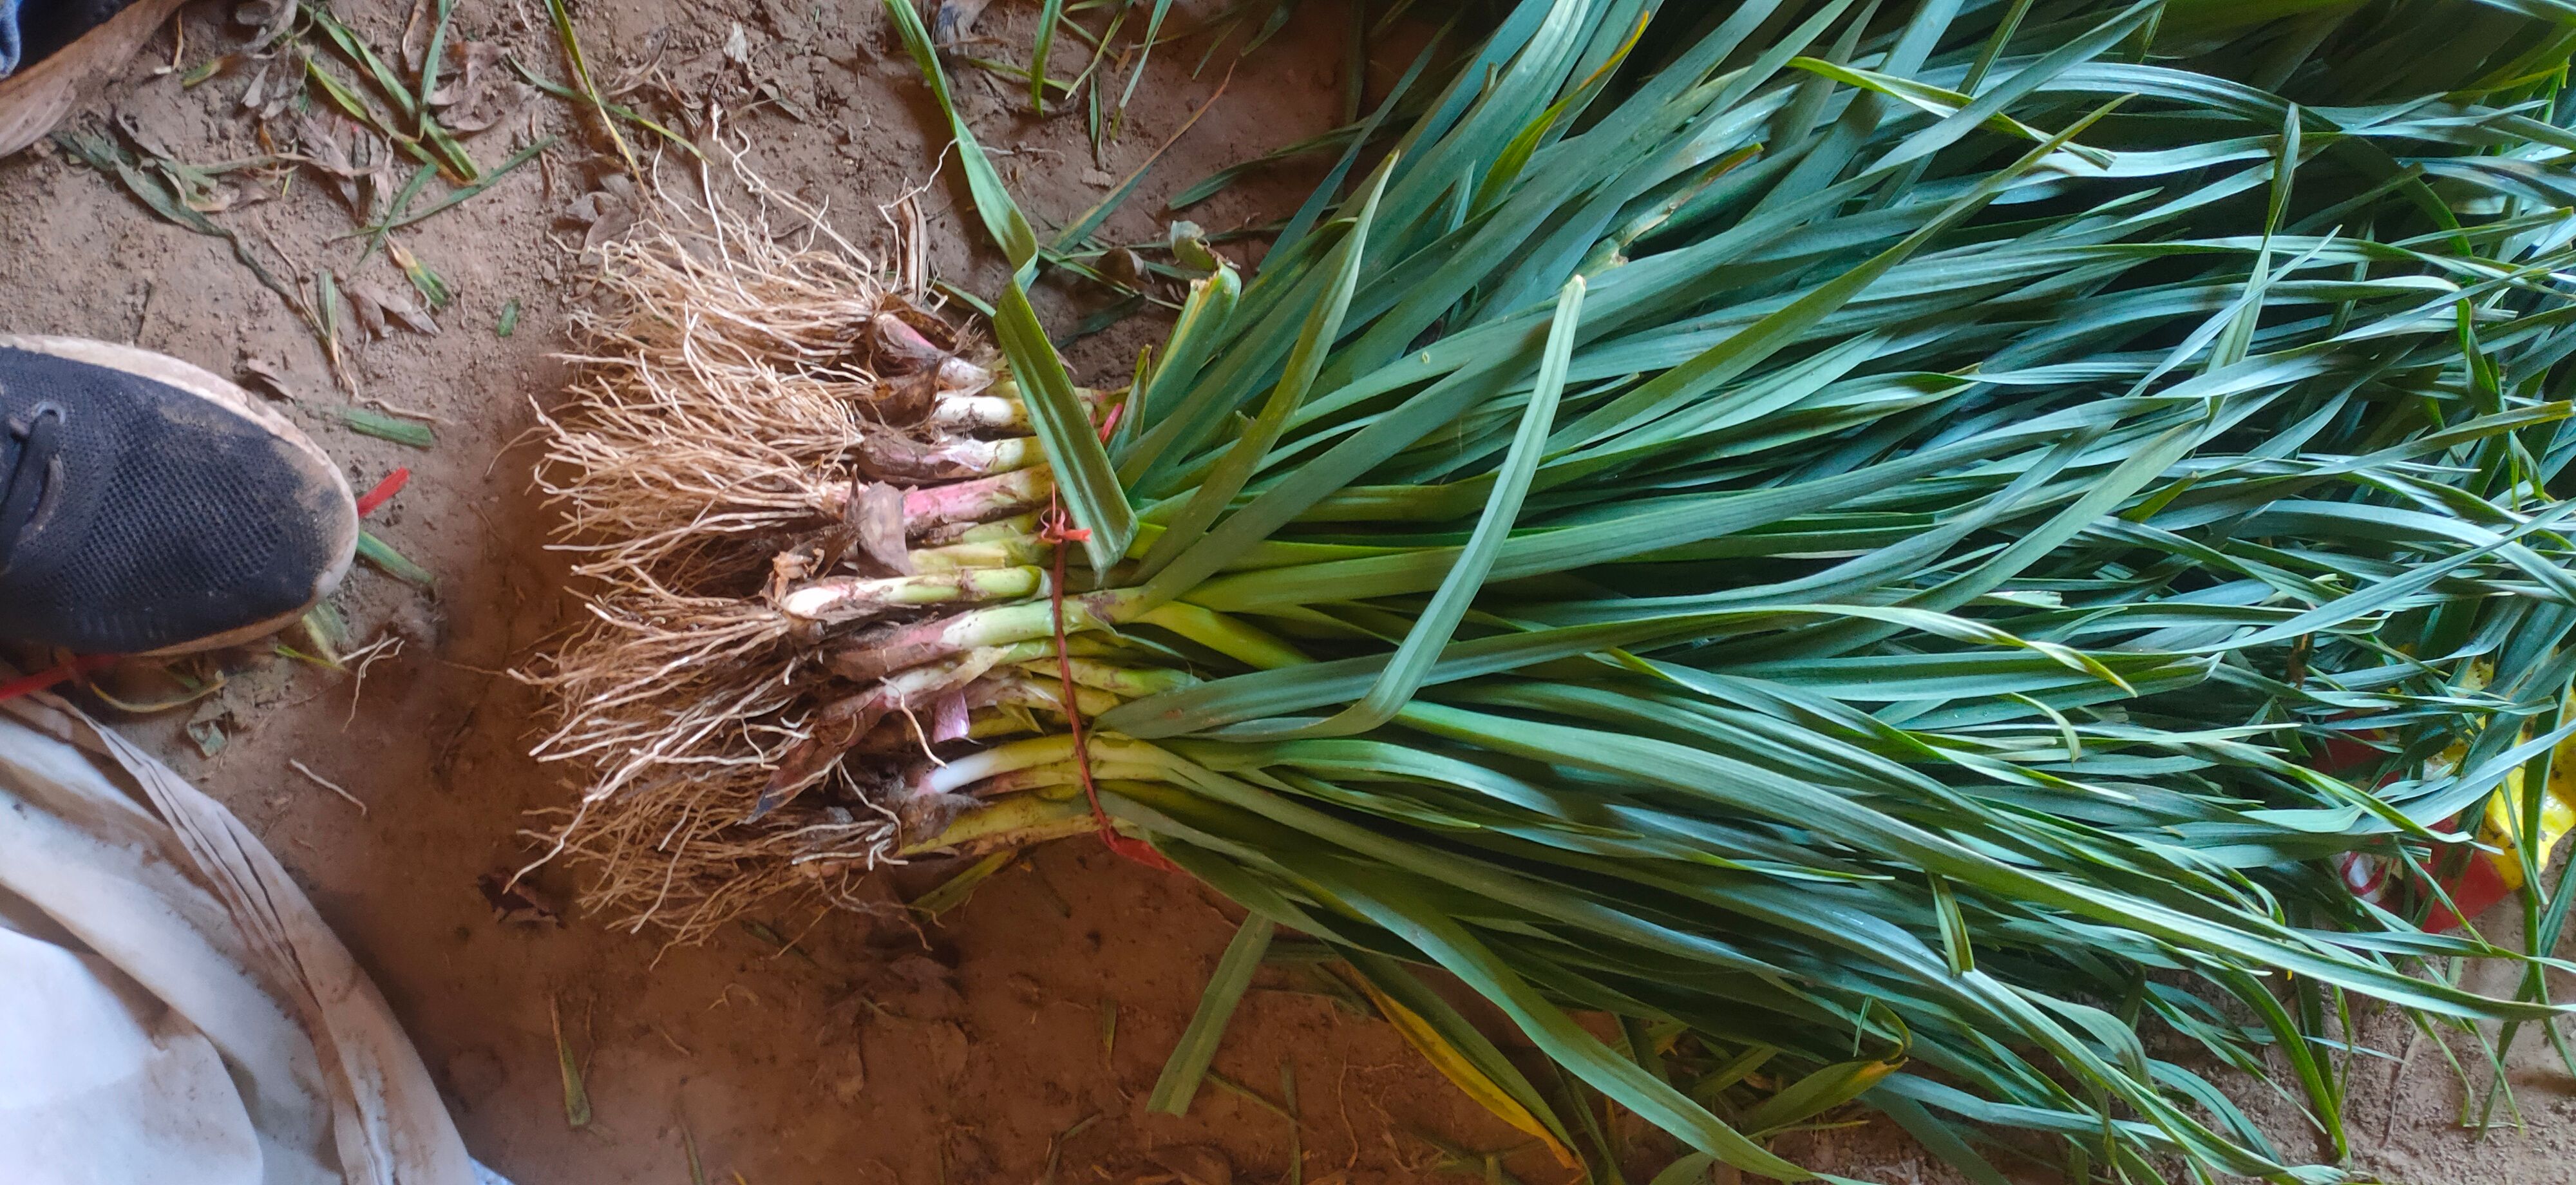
{"x": 37, "y": 97}
{"x": 204, "y": 384}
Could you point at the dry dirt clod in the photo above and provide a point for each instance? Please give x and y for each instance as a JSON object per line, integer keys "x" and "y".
{"x": 357, "y": 168}
{"x": 920, "y": 988}
{"x": 948, "y": 1047}
{"x": 849, "y": 1073}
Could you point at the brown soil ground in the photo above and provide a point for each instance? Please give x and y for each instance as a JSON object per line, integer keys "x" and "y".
{"x": 981, "y": 1049}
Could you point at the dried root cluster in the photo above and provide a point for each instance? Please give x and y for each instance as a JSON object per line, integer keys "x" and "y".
{"x": 773, "y": 459}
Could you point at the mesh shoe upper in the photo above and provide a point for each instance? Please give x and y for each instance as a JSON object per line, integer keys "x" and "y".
{"x": 169, "y": 516}
{"x": 40, "y": 28}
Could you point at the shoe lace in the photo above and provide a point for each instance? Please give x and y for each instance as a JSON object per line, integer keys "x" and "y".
{"x": 29, "y": 482}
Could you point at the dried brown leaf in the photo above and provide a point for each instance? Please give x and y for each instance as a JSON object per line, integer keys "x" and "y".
{"x": 520, "y": 904}
{"x": 477, "y": 94}
{"x": 415, "y": 34}
{"x": 876, "y": 516}
{"x": 371, "y": 315}
{"x": 265, "y": 374}
{"x": 357, "y": 165}
{"x": 607, "y": 212}
{"x": 271, "y": 17}
{"x": 380, "y": 308}
{"x": 256, "y": 89}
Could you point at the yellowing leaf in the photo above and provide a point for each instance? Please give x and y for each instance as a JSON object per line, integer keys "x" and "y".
{"x": 1456, "y": 1067}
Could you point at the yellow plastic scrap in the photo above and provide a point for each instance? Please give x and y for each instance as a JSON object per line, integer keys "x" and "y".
{"x": 2502, "y": 828}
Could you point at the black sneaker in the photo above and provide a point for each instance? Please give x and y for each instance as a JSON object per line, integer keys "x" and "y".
{"x": 148, "y": 507}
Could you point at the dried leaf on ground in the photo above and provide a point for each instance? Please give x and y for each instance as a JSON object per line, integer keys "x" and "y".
{"x": 264, "y": 374}
{"x": 379, "y": 309}
{"x": 352, "y": 159}
{"x": 519, "y": 903}
{"x": 255, "y": 90}
{"x": 415, "y": 34}
{"x": 273, "y": 85}
{"x": 271, "y": 17}
{"x": 476, "y": 95}
{"x": 606, "y": 212}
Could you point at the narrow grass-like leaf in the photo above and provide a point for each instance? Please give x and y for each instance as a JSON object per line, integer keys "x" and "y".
{"x": 1956, "y": 938}
{"x": 953, "y": 892}
{"x": 1423, "y": 644}
{"x": 1088, "y": 485}
{"x": 384, "y": 427}
{"x": 588, "y": 87}
{"x": 1323, "y": 325}
{"x": 1179, "y": 1082}
{"x": 462, "y": 193}
{"x": 382, "y": 554}
{"x": 1195, "y": 335}
{"x": 1462, "y": 1055}
{"x": 1566, "y": 1041}
{"x": 576, "y": 1092}
{"x": 1050, "y": 13}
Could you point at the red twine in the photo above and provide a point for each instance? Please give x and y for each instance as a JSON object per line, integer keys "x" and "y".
{"x": 1059, "y": 530}
{"x": 69, "y": 670}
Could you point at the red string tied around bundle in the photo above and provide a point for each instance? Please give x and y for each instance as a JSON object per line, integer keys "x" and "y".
{"x": 1057, "y": 529}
